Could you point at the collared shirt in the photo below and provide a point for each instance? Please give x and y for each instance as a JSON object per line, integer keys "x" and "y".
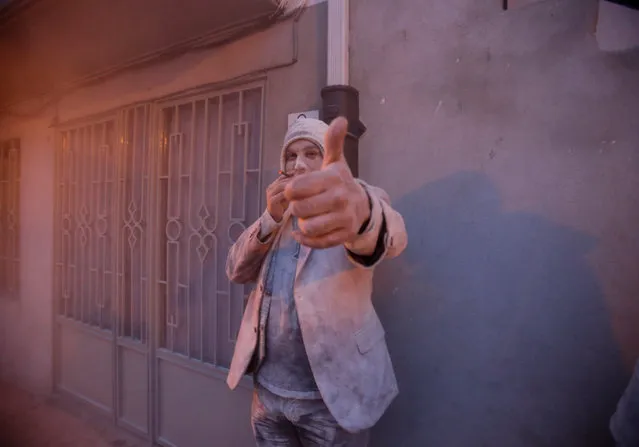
{"x": 284, "y": 370}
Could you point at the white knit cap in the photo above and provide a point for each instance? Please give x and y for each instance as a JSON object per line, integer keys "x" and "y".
{"x": 304, "y": 129}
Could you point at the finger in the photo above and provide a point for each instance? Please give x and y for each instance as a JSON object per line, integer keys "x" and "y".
{"x": 334, "y": 141}
{"x": 324, "y": 224}
{"x": 310, "y": 184}
{"x": 325, "y": 202}
{"x": 279, "y": 198}
{"x": 281, "y": 180}
{"x": 276, "y": 188}
{"x": 326, "y": 241}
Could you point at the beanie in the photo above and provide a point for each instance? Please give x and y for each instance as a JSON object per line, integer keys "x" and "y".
{"x": 309, "y": 129}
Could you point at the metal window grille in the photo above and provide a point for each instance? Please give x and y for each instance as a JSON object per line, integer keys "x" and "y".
{"x": 208, "y": 192}
{"x": 85, "y": 201}
{"x": 133, "y": 266}
{"x": 9, "y": 218}
{"x": 148, "y": 202}
{"x": 102, "y": 178}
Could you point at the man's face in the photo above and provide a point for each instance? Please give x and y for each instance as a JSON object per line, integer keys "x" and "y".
{"x": 301, "y": 157}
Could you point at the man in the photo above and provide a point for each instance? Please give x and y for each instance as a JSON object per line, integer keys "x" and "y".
{"x": 624, "y": 424}
{"x": 310, "y": 335}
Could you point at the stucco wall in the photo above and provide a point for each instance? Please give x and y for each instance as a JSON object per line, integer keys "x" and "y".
{"x": 26, "y": 324}
{"x": 509, "y": 142}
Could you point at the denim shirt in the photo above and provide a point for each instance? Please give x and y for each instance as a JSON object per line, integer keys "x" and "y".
{"x": 285, "y": 369}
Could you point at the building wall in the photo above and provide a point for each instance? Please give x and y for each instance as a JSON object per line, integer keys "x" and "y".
{"x": 291, "y": 85}
{"x": 508, "y": 141}
{"x": 25, "y": 334}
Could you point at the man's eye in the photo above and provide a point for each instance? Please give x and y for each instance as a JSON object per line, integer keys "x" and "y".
{"x": 313, "y": 154}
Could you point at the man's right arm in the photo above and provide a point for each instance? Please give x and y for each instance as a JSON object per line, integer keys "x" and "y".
{"x": 247, "y": 254}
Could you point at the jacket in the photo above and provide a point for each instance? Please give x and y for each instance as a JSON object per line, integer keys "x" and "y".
{"x": 343, "y": 336}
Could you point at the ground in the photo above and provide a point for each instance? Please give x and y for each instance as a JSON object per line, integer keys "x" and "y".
{"x": 28, "y": 420}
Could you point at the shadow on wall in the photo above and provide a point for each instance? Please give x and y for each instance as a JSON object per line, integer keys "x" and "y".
{"x": 497, "y": 327}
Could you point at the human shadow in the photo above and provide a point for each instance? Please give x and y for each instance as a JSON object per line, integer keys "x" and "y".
{"x": 497, "y": 327}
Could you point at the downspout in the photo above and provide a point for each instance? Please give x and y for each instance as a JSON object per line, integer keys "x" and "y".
{"x": 338, "y": 97}
{"x": 337, "y": 68}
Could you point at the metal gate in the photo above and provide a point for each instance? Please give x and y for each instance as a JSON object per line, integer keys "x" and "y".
{"x": 148, "y": 202}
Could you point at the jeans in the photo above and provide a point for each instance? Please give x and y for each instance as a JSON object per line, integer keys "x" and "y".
{"x": 278, "y": 421}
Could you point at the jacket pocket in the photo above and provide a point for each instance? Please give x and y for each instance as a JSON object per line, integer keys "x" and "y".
{"x": 369, "y": 334}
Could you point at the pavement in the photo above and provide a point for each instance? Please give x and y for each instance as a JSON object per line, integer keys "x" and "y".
{"x": 28, "y": 420}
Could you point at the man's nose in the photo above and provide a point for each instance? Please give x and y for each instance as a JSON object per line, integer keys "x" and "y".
{"x": 300, "y": 166}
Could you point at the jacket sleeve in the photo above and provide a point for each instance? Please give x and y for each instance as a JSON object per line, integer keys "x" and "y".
{"x": 386, "y": 232}
{"x": 247, "y": 254}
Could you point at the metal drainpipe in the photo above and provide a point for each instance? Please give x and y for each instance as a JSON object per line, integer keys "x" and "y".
{"x": 338, "y": 97}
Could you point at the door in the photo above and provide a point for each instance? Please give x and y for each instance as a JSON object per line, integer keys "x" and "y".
{"x": 207, "y": 192}
{"x": 148, "y": 202}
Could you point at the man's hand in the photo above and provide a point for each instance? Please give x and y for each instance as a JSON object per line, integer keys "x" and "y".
{"x": 276, "y": 202}
{"x": 329, "y": 204}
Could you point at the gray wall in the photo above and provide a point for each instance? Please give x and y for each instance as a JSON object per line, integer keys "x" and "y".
{"x": 296, "y": 88}
{"x": 508, "y": 141}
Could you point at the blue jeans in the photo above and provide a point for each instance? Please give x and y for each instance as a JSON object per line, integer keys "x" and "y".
{"x": 278, "y": 421}
{"x": 624, "y": 424}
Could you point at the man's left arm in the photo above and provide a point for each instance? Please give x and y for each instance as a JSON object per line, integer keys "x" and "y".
{"x": 382, "y": 236}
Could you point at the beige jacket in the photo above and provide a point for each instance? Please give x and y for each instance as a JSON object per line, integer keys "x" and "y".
{"x": 343, "y": 336}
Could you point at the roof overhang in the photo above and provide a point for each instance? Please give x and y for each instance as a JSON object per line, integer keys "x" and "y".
{"x": 51, "y": 45}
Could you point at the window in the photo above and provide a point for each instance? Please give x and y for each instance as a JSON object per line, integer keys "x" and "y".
{"x": 133, "y": 264}
{"x": 148, "y": 203}
{"x": 102, "y": 198}
{"x": 9, "y": 218}
{"x": 85, "y": 227}
{"x": 208, "y": 192}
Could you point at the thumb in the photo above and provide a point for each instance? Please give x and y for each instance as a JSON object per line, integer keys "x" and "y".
{"x": 334, "y": 141}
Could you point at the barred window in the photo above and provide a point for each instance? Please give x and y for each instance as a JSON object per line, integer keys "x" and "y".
{"x": 146, "y": 210}
{"x": 208, "y": 180}
{"x": 9, "y": 218}
{"x": 85, "y": 195}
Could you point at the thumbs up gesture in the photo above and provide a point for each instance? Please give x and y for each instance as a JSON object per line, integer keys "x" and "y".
{"x": 330, "y": 204}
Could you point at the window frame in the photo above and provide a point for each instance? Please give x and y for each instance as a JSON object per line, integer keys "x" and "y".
{"x": 7, "y": 223}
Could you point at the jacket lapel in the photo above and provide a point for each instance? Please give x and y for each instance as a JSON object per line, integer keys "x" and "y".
{"x": 302, "y": 254}
{"x": 303, "y": 257}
